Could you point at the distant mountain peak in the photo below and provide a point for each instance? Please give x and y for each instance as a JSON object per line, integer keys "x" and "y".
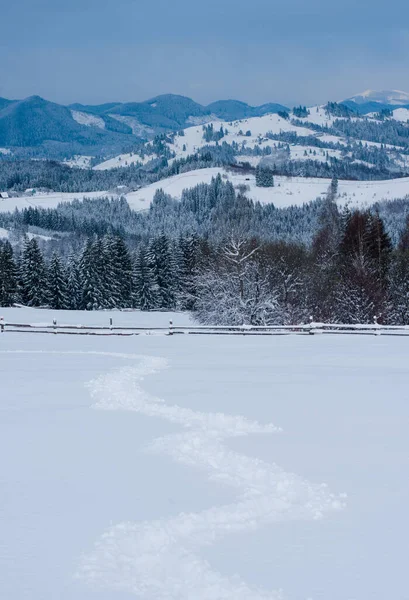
{"x": 392, "y": 97}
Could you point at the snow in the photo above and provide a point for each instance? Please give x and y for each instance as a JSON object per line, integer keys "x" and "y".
{"x": 50, "y": 200}
{"x": 83, "y": 162}
{"x": 202, "y": 467}
{"x": 401, "y": 114}
{"x": 393, "y": 97}
{"x": 298, "y": 153}
{"x": 319, "y": 116}
{"x": 124, "y": 160}
{"x": 132, "y": 122}
{"x": 193, "y": 140}
{"x": 287, "y": 191}
{"x": 87, "y": 119}
{"x": 4, "y": 234}
{"x": 5, "y": 151}
{"x": 130, "y": 318}
{"x": 38, "y": 236}
{"x": 203, "y": 119}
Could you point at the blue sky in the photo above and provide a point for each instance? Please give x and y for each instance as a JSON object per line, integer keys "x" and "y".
{"x": 292, "y": 51}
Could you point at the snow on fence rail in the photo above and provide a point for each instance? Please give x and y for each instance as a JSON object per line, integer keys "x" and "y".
{"x": 125, "y": 330}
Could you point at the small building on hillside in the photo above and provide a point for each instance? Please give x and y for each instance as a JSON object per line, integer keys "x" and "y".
{"x": 4, "y": 195}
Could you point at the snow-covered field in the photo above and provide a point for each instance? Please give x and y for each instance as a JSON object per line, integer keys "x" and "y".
{"x": 287, "y": 191}
{"x": 51, "y": 200}
{"x": 202, "y": 468}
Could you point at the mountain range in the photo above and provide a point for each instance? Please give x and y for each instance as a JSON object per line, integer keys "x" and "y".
{"x": 37, "y": 123}
{"x": 38, "y": 127}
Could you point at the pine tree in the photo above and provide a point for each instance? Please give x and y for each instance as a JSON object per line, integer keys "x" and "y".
{"x": 109, "y": 273}
{"x": 145, "y": 288}
{"x": 333, "y": 191}
{"x": 187, "y": 269}
{"x": 364, "y": 253}
{"x": 397, "y": 312}
{"x": 161, "y": 260}
{"x": 57, "y": 284}
{"x": 264, "y": 176}
{"x": 73, "y": 283}
{"x": 93, "y": 290}
{"x": 8, "y": 281}
{"x": 123, "y": 272}
{"x": 33, "y": 274}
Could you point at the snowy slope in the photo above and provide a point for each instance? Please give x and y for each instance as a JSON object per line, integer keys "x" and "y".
{"x": 203, "y": 467}
{"x": 287, "y": 191}
{"x": 87, "y": 119}
{"x": 401, "y": 114}
{"x": 50, "y": 200}
{"x": 124, "y": 160}
{"x": 4, "y": 234}
{"x": 319, "y": 116}
{"x": 251, "y": 132}
{"x": 193, "y": 139}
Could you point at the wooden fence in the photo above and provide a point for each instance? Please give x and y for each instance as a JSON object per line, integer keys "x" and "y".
{"x": 173, "y": 329}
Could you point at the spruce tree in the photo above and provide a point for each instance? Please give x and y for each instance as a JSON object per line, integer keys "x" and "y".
{"x": 92, "y": 276}
{"x": 123, "y": 272}
{"x": 57, "y": 284}
{"x": 33, "y": 274}
{"x": 188, "y": 252}
{"x": 264, "y": 176}
{"x": 8, "y": 281}
{"x": 73, "y": 283}
{"x": 108, "y": 271}
{"x": 145, "y": 288}
{"x": 161, "y": 260}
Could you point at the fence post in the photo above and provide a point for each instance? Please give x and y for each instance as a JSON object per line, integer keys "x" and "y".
{"x": 311, "y": 328}
{"x": 377, "y": 330}
{"x": 170, "y": 327}
{"x": 110, "y": 322}
{"x": 55, "y": 325}
{"x": 1, "y": 324}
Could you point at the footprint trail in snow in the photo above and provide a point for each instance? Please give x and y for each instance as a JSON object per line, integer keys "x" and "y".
{"x": 161, "y": 559}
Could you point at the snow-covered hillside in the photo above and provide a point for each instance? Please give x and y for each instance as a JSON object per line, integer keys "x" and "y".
{"x": 194, "y": 467}
{"x": 247, "y": 133}
{"x": 256, "y": 133}
{"x": 124, "y": 160}
{"x": 50, "y": 200}
{"x": 286, "y": 192}
{"x": 401, "y": 114}
{"x": 88, "y": 119}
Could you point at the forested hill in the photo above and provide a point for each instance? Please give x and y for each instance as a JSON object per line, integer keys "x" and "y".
{"x": 49, "y": 128}
{"x": 37, "y": 127}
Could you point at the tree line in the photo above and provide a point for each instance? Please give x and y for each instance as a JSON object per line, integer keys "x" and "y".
{"x": 350, "y": 273}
